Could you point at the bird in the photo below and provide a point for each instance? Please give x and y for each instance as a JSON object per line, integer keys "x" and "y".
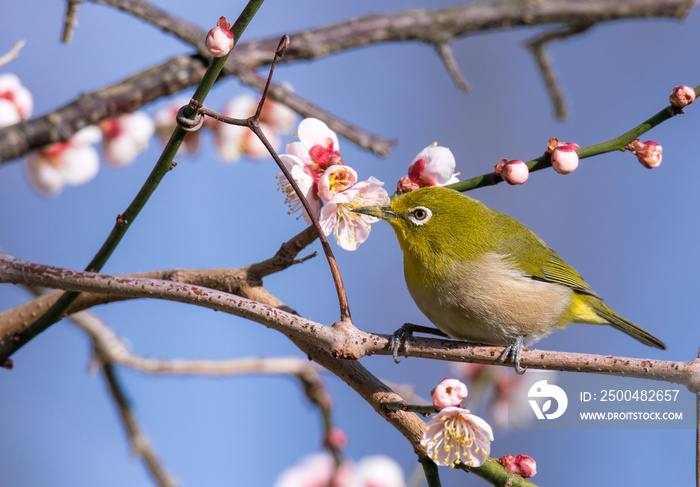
{"x": 483, "y": 277}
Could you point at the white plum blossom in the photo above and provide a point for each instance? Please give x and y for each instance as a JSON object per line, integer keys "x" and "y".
{"x": 16, "y": 102}
{"x": 456, "y": 436}
{"x": 306, "y": 184}
{"x": 319, "y": 470}
{"x": 73, "y": 163}
{"x": 433, "y": 166}
{"x": 125, "y": 137}
{"x": 351, "y": 229}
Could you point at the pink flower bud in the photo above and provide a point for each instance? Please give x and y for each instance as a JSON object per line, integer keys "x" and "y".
{"x": 220, "y": 39}
{"x": 513, "y": 172}
{"x": 526, "y": 466}
{"x": 519, "y": 465}
{"x": 336, "y": 438}
{"x": 648, "y": 153}
{"x": 682, "y": 96}
{"x": 563, "y": 155}
{"x": 449, "y": 392}
{"x": 406, "y": 185}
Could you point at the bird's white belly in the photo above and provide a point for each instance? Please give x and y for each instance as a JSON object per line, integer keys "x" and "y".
{"x": 487, "y": 301}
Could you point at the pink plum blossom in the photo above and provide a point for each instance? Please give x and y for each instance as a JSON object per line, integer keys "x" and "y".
{"x": 449, "y": 392}
{"x": 563, "y": 155}
{"x": 73, "y": 162}
{"x": 219, "y": 40}
{"x": 351, "y": 229}
{"x": 317, "y": 147}
{"x": 125, "y": 137}
{"x": 648, "y": 153}
{"x": 512, "y": 172}
{"x": 433, "y": 166}
{"x": 455, "y": 435}
{"x": 278, "y": 115}
{"x": 334, "y": 180}
{"x": 682, "y": 96}
{"x": 16, "y": 102}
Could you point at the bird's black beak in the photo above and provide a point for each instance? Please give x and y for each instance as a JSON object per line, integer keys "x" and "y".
{"x": 383, "y": 212}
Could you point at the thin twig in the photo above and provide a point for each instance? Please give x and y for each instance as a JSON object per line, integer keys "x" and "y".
{"x": 12, "y": 54}
{"x": 70, "y": 20}
{"x": 448, "y": 60}
{"x": 138, "y": 440}
{"x": 538, "y": 46}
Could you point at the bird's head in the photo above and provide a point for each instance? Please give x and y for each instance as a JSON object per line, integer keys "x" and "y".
{"x": 428, "y": 221}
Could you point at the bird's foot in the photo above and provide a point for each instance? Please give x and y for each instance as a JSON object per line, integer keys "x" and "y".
{"x": 514, "y": 350}
{"x": 400, "y": 337}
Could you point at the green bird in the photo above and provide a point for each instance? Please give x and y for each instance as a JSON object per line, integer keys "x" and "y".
{"x": 481, "y": 276}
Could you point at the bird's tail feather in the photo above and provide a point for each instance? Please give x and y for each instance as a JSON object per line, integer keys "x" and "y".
{"x": 617, "y": 321}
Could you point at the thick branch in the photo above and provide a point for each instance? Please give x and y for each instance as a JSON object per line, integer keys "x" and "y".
{"x": 338, "y": 340}
{"x": 434, "y": 27}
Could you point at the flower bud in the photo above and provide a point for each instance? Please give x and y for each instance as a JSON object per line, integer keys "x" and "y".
{"x": 519, "y": 465}
{"x": 563, "y": 155}
{"x": 449, "y": 392}
{"x": 648, "y": 153}
{"x": 406, "y": 185}
{"x": 682, "y": 96}
{"x": 512, "y": 172}
{"x": 336, "y": 438}
{"x": 526, "y": 466}
{"x": 220, "y": 39}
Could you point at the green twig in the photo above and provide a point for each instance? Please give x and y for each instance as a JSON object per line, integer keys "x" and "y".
{"x": 164, "y": 164}
{"x": 542, "y": 162}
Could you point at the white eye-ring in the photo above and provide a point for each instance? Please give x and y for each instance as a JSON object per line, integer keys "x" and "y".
{"x": 420, "y": 215}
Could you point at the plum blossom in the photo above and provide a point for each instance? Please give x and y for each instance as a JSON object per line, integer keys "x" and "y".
{"x": 433, "y": 166}
{"x": 334, "y": 180}
{"x": 219, "y": 40}
{"x": 449, "y": 392}
{"x": 306, "y": 183}
{"x": 513, "y": 172}
{"x": 165, "y": 123}
{"x": 456, "y": 436}
{"x": 73, "y": 162}
{"x": 648, "y": 153}
{"x": 351, "y": 229}
{"x": 16, "y": 102}
{"x": 319, "y": 470}
{"x": 232, "y": 141}
{"x": 682, "y": 96}
{"x": 125, "y": 137}
{"x": 317, "y": 147}
{"x": 563, "y": 155}
{"x": 378, "y": 471}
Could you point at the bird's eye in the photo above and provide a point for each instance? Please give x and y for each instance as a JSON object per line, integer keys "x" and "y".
{"x": 420, "y": 215}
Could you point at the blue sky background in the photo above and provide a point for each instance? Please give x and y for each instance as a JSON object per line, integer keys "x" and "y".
{"x": 631, "y": 232}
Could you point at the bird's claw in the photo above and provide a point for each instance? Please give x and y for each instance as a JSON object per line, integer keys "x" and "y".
{"x": 398, "y": 338}
{"x": 514, "y": 350}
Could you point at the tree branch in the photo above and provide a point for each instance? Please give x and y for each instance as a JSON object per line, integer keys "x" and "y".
{"x": 434, "y": 27}
{"x": 337, "y": 340}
